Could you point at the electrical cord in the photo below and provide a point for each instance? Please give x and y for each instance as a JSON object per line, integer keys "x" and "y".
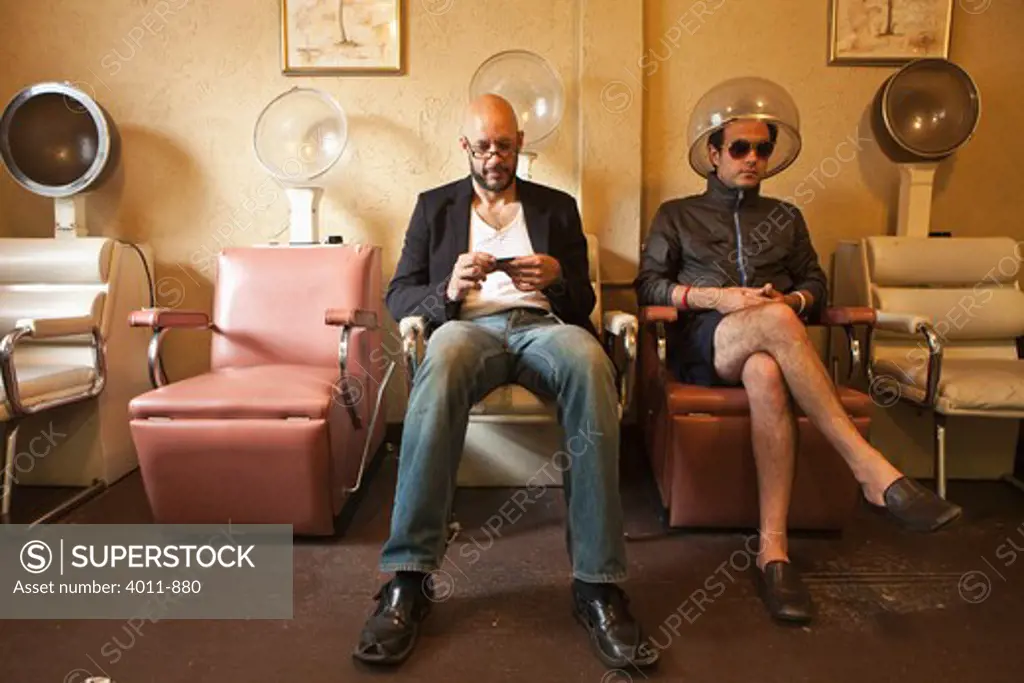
{"x": 145, "y": 266}
{"x": 149, "y": 279}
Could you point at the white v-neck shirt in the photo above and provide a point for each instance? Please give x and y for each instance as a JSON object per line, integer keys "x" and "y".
{"x": 497, "y": 293}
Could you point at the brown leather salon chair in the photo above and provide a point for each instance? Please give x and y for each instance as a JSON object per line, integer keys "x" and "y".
{"x": 699, "y": 446}
{"x": 280, "y": 429}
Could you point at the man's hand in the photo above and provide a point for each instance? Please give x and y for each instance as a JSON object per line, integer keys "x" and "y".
{"x": 773, "y": 294}
{"x": 734, "y": 299}
{"x": 535, "y": 272}
{"x": 470, "y": 270}
{"x": 791, "y": 300}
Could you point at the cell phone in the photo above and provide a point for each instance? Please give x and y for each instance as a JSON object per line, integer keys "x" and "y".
{"x": 502, "y": 262}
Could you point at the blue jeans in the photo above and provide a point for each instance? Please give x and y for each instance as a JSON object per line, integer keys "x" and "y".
{"x": 465, "y": 361}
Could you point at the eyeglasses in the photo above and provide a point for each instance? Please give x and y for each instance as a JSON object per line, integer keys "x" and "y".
{"x": 739, "y": 149}
{"x": 482, "y": 150}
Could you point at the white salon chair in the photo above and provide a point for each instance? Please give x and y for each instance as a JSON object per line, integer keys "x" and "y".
{"x": 69, "y": 362}
{"x": 513, "y": 433}
{"x": 960, "y": 311}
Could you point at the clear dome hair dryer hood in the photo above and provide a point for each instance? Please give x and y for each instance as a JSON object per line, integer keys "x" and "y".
{"x": 535, "y": 91}
{"x": 748, "y": 97}
{"x": 299, "y": 136}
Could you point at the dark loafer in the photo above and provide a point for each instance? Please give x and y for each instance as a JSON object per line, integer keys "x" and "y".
{"x": 916, "y": 507}
{"x": 784, "y": 593}
{"x": 389, "y": 635}
{"x": 615, "y": 635}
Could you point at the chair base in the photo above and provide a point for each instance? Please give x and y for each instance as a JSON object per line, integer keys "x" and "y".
{"x": 707, "y": 476}
{"x": 1013, "y": 481}
{"x": 258, "y": 471}
{"x": 8, "y": 477}
{"x": 512, "y": 455}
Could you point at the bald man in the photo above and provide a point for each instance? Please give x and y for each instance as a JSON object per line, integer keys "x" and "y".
{"x": 498, "y": 268}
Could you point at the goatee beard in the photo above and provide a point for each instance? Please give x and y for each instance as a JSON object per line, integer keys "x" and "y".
{"x": 499, "y": 186}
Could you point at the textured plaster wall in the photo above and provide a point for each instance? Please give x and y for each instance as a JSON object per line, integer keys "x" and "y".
{"x": 842, "y": 198}
{"x": 186, "y": 79}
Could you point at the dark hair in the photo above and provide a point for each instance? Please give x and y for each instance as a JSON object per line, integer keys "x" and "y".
{"x": 718, "y": 137}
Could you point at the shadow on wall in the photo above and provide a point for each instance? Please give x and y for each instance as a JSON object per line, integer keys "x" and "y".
{"x": 164, "y": 181}
{"x": 162, "y": 207}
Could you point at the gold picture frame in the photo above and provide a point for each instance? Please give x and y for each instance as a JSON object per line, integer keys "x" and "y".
{"x": 868, "y": 32}
{"x": 342, "y": 37}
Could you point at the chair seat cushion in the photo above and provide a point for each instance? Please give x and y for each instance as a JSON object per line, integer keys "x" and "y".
{"x": 965, "y": 384}
{"x": 514, "y": 399}
{"x": 255, "y": 392}
{"x": 43, "y": 382}
{"x": 693, "y": 398}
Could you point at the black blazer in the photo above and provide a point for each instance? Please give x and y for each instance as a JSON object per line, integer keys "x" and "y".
{"x": 439, "y": 232}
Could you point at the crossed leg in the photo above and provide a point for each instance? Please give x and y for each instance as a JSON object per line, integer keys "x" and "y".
{"x": 775, "y": 331}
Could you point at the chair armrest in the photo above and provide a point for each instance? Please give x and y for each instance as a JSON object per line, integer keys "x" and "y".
{"x": 351, "y": 317}
{"x": 658, "y": 314}
{"x": 847, "y": 315}
{"x": 160, "y": 320}
{"x": 412, "y": 324}
{"x": 618, "y": 322}
{"x": 907, "y": 323}
{"x": 346, "y": 319}
{"x": 623, "y": 326}
{"x": 48, "y": 328}
{"x": 168, "y": 318}
{"x": 413, "y": 330}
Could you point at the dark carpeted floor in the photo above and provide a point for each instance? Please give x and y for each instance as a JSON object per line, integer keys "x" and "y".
{"x": 892, "y": 606}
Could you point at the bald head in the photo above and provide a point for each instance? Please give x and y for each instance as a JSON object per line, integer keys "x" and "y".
{"x": 492, "y": 132}
{"x": 490, "y": 117}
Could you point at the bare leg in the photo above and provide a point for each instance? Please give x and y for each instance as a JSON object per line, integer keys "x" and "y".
{"x": 776, "y": 330}
{"x": 774, "y": 435}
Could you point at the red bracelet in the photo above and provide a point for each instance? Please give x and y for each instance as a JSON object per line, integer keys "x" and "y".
{"x": 686, "y": 293}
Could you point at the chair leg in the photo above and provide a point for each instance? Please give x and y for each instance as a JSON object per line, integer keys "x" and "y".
{"x": 1013, "y": 481}
{"x": 97, "y": 487}
{"x": 10, "y": 445}
{"x": 940, "y": 455}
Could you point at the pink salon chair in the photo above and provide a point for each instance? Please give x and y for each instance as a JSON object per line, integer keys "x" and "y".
{"x": 280, "y": 429}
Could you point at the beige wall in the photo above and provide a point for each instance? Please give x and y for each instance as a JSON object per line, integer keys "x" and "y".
{"x": 185, "y": 81}
{"x": 786, "y": 41}
{"x": 186, "y": 98}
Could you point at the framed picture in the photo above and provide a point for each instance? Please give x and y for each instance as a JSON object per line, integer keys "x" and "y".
{"x": 888, "y": 32}
{"x": 337, "y": 37}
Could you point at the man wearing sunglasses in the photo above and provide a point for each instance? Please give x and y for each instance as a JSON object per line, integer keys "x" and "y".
{"x": 741, "y": 268}
{"x": 498, "y": 267}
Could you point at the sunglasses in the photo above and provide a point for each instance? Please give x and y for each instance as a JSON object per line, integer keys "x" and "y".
{"x": 739, "y": 149}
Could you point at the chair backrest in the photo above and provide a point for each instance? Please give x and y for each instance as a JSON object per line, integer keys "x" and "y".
{"x": 966, "y": 286}
{"x": 593, "y": 259}
{"x": 270, "y": 302}
{"x": 58, "y": 278}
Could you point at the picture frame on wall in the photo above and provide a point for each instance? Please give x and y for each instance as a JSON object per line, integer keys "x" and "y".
{"x": 888, "y": 32}
{"x": 342, "y": 37}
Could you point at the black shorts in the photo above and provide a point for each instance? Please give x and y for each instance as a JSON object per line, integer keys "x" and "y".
{"x": 691, "y": 349}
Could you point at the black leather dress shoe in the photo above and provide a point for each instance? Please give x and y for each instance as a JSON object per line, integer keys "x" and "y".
{"x": 784, "y": 593}
{"x": 916, "y": 507}
{"x": 389, "y": 635}
{"x": 615, "y": 635}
